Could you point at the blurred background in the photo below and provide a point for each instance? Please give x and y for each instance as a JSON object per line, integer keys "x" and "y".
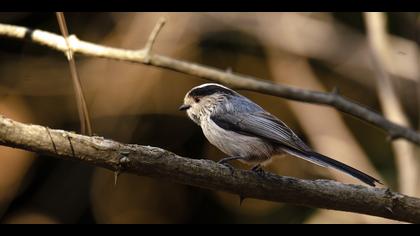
{"x": 135, "y": 103}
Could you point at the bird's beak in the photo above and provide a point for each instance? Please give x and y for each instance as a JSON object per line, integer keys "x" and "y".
{"x": 184, "y": 107}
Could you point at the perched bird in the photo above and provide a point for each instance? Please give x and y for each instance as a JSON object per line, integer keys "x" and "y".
{"x": 246, "y": 132}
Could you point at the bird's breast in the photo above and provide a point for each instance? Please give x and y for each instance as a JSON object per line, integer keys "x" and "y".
{"x": 235, "y": 144}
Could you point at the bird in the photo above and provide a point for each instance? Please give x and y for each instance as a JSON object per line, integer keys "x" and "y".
{"x": 246, "y": 132}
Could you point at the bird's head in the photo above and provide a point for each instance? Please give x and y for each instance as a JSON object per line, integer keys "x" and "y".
{"x": 202, "y": 100}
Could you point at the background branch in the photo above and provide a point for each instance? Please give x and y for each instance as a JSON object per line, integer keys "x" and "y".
{"x": 242, "y": 82}
{"x": 85, "y": 124}
{"x": 156, "y": 162}
{"x": 391, "y": 106}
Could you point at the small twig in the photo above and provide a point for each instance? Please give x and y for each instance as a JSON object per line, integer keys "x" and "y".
{"x": 85, "y": 124}
{"x": 335, "y": 91}
{"x": 152, "y": 38}
{"x": 116, "y": 175}
{"x": 159, "y": 163}
{"x": 121, "y": 162}
{"x": 241, "y": 199}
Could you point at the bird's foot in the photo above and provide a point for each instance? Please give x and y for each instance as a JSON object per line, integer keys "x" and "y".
{"x": 258, "y": 170}
{"x": 225, "y": 163}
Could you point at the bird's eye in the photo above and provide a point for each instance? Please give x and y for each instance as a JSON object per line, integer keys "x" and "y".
{"x": 196, "y": 99}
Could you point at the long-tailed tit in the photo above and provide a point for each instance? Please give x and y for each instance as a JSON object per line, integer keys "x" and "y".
{"x": 246, "y": 132}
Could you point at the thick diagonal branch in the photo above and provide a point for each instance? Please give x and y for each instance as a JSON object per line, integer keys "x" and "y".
{"x": 57, "y": 42}
{"x": 159, "y": 163}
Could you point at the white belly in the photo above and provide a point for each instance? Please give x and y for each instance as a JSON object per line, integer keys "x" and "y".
{"x": 235, "y": 144}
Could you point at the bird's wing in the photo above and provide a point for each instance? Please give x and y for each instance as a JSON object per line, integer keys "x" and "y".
{"x": 260, "y": 124}
{"x": 266, "y": 126}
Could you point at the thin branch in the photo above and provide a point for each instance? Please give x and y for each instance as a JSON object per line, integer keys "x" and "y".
{"x": 85, "y": 124}
{"x": 159, "y": 163}
{"x": 152, "y": 38}
{"x": 57, "y": 42}
{"x": 382, "y": 63}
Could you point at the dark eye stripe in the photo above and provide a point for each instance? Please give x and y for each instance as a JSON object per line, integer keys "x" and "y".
{"x": 209, "y": 90}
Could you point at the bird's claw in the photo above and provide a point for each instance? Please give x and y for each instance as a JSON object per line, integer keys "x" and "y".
{"x": 258, "y": 170}
{"x": 226, "y": 164}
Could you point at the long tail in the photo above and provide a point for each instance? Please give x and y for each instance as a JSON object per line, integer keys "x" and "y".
{"x": 325, "y": 161}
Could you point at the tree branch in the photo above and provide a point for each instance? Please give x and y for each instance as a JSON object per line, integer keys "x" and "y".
{"x": 143, "y": 56}
{"x": 159, "y": 163}
{"x": 82, "y": 110}
{"x": 152, "y": 38}
{"x": 382, "y": 61}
